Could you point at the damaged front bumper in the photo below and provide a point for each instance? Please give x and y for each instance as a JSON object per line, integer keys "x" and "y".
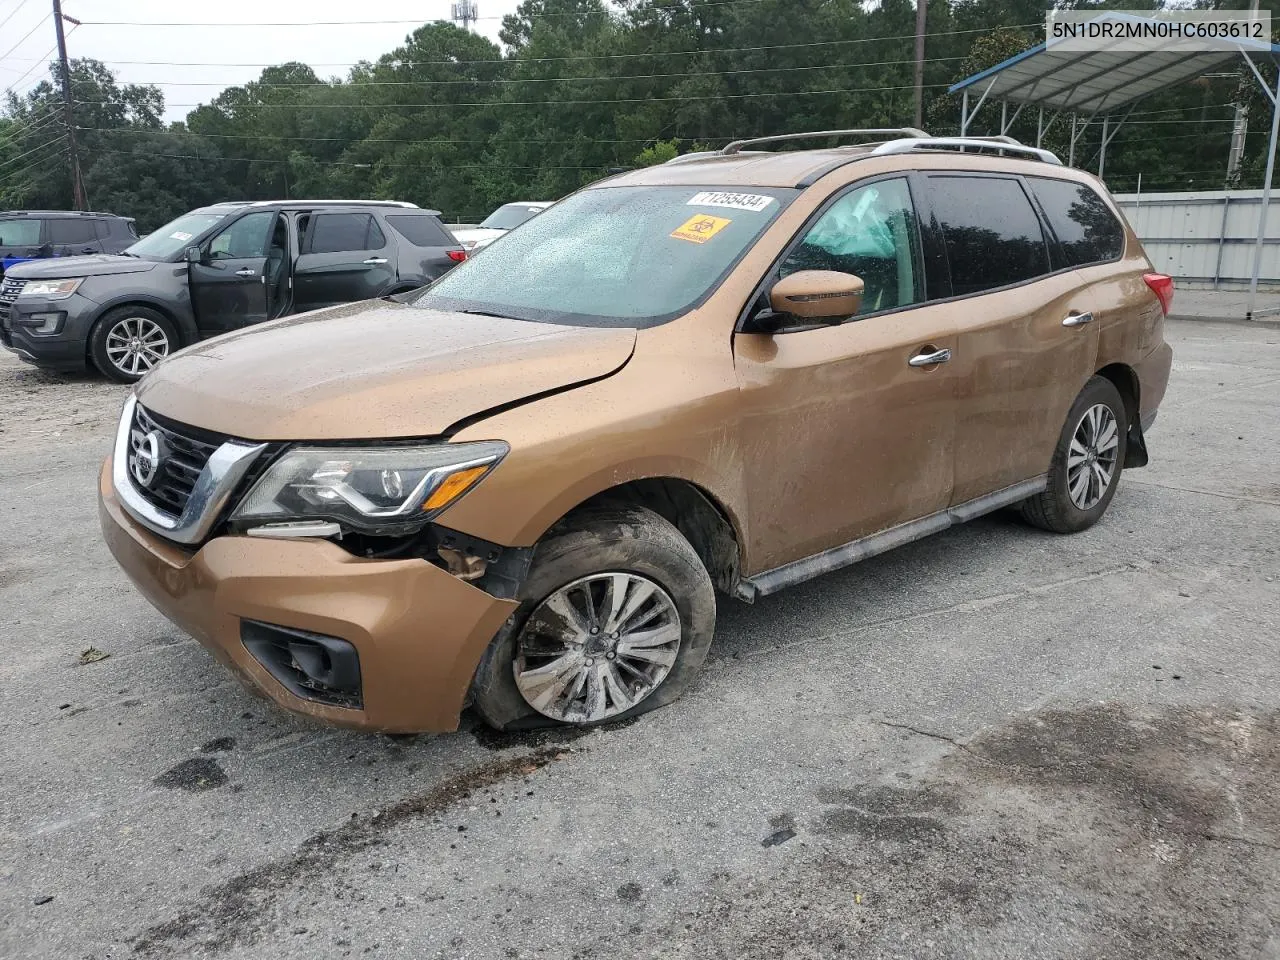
{"x": 377, "y": 644}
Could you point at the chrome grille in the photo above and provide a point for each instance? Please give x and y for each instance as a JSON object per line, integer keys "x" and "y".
{"x": 184, "y": 457}
{"x": 9, "y": 291}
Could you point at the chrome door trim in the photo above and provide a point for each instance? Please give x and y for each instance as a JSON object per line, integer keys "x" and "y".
{"x": 806, "y": 568}
{"x": 1077, "y": 319}
{"x": 217, "y": 481}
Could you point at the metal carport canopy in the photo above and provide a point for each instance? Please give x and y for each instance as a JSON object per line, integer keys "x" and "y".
{"x": 1089, "y": 83}
{"x": 1103, "y": 80}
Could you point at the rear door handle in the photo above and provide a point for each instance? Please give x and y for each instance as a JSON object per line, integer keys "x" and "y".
{"x": 246, "y": 272}
{"x": 376, "y": 260}
{"x": 929, "y": 359}
{"x": 1077, "y": 319}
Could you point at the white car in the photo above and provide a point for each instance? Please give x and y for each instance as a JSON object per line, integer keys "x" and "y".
{"x": 506, "y": 217}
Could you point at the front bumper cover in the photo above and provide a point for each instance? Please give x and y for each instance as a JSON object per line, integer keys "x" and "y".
{"x": 420, "y": 631}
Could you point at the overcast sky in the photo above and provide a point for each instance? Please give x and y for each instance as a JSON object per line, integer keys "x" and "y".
{"x": 177, "y": 58}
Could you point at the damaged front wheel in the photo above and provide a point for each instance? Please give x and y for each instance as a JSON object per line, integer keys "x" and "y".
{"x": 616, "y": 618}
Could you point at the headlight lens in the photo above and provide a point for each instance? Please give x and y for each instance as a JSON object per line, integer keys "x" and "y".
{"x": 372, "y": 489}
{"x": 51, "y": 289}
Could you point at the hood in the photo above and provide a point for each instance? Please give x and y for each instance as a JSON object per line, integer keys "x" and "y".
{"x": 373, "y": 370}
{"x": 98, "y": 265}
{"x": 469, "y": 237}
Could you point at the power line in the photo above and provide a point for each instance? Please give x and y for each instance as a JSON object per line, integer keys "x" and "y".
{"x": 39, "y": 63}
{"x": 357, "y": 84}
{"x": 548, "y": 103}
{"x": 402, "y": 22}
{"x": 515, "y": 61}
{"x": 27, "y": 153}
{"x": 161, "y": 131}
{"x": 31, "y": 168}
{"x": 5, "y": 56}
{"x": 26, "y": 128}
{"x": 352, "y": 163}
{"x": 14, "y": 12}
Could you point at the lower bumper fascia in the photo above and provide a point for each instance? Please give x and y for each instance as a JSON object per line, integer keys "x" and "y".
{"x": 419, "y": 631}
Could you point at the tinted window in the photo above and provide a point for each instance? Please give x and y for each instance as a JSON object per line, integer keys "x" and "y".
{"x": 244, "y": 239}
{"x": 992, "y": 234}
{"x": 24, "y": 232}
{"x": 71, "y": 230}
{"x": 420, "y": 230}
{"x": 1087, "y": 229}
{"x": 627, "y": 256}
{"x": 869, "y": 232}
{"x": 345, "y": 232}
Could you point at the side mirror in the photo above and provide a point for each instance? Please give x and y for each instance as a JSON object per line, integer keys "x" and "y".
{"x": 193, "y": 255}
{"x": 822, "y": 295}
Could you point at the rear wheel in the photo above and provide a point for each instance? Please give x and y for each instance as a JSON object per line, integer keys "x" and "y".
{"x": 616, "y": 619}
{"x": 128, "y": 341}
{"x": 1086, "y": 464}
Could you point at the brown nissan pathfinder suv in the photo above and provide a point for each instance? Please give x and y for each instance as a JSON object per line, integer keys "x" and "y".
{"x": 736, "y": 370}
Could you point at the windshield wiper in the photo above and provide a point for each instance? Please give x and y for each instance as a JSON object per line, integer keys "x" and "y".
{"x": 489, "y": 313}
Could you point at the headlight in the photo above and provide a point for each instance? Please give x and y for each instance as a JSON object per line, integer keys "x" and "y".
{"x": 51, "y": 289}
{"x": 374, "y": 489}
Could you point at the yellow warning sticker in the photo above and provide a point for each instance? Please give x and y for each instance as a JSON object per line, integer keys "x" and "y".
{"x": 701, "y": 228}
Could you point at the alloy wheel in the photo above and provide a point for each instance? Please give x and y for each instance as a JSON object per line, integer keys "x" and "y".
{"x": 1091, "y": 459}
{"x": 136, "y": 344}
{"x": 596, "y": 647}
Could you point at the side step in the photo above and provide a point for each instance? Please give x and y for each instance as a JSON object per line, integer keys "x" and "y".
{"x": 798, "y": 571}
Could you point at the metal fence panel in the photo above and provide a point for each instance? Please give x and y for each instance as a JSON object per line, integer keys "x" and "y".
{"x": 1206, "y": 239}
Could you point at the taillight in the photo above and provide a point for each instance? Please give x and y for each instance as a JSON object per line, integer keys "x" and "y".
{"x": 1162, "y": 287}
{"x": 457, "y": 256}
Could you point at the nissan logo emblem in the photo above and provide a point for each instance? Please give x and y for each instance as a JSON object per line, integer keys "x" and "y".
{"x": 145, "y": 461}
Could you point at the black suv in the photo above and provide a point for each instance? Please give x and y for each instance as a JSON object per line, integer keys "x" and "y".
{"x": 38, "y": 234}
{"x": 213, "y": 270}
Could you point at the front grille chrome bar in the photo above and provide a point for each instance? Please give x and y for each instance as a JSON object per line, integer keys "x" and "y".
{"x": 213, "y": 487}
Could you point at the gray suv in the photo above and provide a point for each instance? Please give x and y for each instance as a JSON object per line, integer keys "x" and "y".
{"x": 214, "y": 270}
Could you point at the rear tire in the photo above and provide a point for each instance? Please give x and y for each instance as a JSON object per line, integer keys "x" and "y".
{"x": 1086, "y": 465}
{"x": 128, "y": 341}
{"x": 547, "y": 653}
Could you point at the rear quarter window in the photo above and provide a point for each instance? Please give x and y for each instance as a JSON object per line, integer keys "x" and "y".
{"x": 71, "y": 230}
{"x": 421, "y": 230}
{"x": 992, "y": 234}
{"x": 1085, "y": 226}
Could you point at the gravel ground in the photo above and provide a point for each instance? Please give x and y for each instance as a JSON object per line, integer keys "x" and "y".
{"x": 994, "y": 743}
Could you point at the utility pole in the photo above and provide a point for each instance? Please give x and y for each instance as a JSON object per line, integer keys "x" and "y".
{"x": 921, "y": 9}
{"x": 77, "y": 184}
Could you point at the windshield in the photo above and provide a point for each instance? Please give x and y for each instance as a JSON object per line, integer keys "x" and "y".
{"x": 510, "y": 216}
{"x": 613, "y": 256}
{"x": 171, "y": 239}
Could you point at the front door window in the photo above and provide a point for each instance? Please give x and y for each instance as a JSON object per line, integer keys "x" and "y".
{"x": 869, "y": 232}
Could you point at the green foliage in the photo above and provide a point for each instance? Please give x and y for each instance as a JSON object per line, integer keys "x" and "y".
{"x": 451, "y": 121}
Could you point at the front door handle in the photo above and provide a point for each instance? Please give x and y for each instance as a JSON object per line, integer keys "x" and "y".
{"x": 376, "y": 260}
{"x": 246, "y": 272}
{"x": 1077, "y": 319}
{"x": 929, "y": 359}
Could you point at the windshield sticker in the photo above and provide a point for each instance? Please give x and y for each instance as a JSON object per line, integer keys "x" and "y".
{"x": 179, "y": 235}
{"x": 700, "y": 229}
{"x": 754, "y": 202}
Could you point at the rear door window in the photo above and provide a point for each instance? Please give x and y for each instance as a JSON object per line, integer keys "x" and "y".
{"x": 71, "y": 230}
{"x": 992, "y": 234}
{"x": 1085, "y": 226}
{"x": 421, "y": 230}
{"x": 20, "y": 232}
{"x": 345, "y": 233}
